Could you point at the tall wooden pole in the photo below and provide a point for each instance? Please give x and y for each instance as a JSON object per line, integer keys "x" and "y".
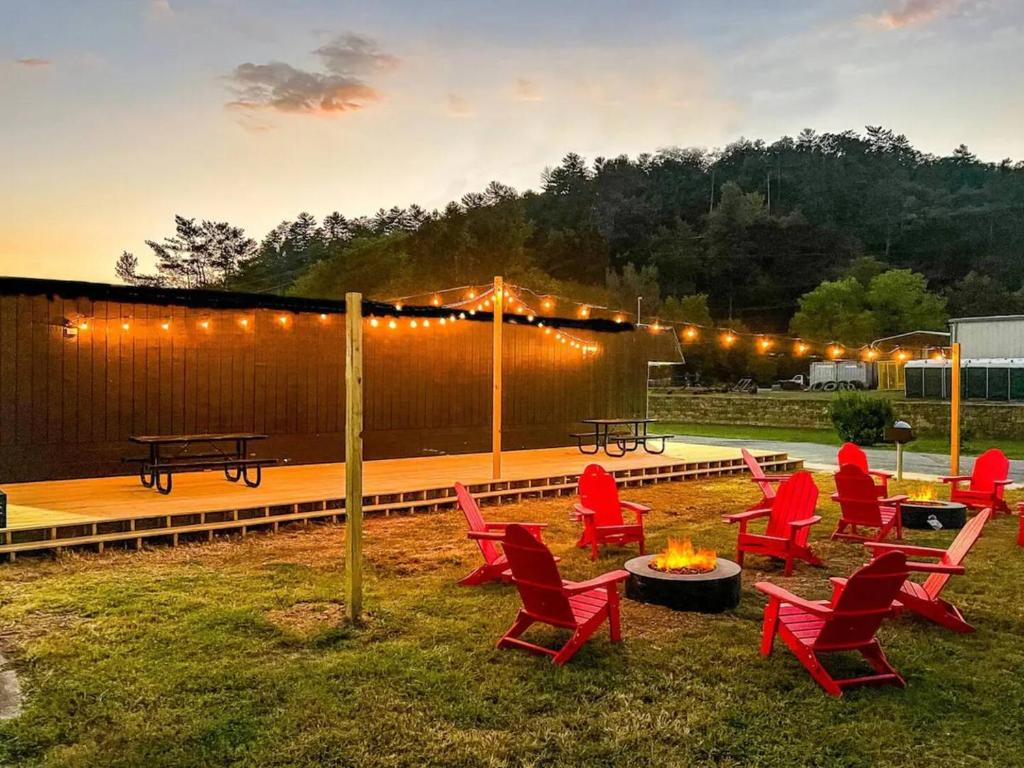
{"x": 353, "y": 455}
{"x": 954, "y": 412}
{"x": 499, "y": 300}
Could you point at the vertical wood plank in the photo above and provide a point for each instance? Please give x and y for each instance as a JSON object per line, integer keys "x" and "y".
{"x": 496, "y": 356}
{"x": 354, "y": 455}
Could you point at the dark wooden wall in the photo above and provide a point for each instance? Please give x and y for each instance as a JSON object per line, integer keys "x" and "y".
{"x": 68, "y": 404}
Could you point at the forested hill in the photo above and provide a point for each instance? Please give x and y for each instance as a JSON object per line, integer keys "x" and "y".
{"x": 754, "y": 226}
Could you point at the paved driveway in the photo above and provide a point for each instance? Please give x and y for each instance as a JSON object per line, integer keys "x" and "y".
{"x": 816, "y": 456}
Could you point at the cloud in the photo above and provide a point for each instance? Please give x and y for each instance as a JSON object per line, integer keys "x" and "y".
{"x": 33, "y": 63}
{"x": 332, "y": 90}
{"x": 527, "y": 90}
{"x": 458, "y": 106}
{"x": 352, "y": 54}
{"x": 910, "y": 13}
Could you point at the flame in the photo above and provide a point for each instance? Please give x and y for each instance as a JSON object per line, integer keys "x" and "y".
{"x": 681, "y": 556}
{"x": 924, "y": 493}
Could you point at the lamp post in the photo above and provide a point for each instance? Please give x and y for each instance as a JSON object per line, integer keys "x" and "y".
{"x": 638, "y": 300}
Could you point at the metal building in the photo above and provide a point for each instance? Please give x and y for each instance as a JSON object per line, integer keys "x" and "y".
{"x": 1001, "y": 336}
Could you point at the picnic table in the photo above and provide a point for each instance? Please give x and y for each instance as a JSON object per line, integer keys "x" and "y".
{"x": 626, "y": 435}
{"x": 172, "y": 453}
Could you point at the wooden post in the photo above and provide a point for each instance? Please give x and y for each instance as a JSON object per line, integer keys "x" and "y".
{"x": 353, "y": 455}
{"x": 954, "y": 411}
{"x": 496, "y": 383}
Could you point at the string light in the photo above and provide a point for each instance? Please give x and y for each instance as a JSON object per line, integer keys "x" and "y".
{"x": 165, "y": 325}
{"x": 374, "y": 322}
{"x": 83, "y": 325}
{"x": 800, "y": 349}
{"x": 413, "y": 324}
{"x": 835, "y": 350}
{"x": 125, "y": 326}
{"x": 472, "y": 295}
{"x": 728, "y": 339}
{"x": 870, "y": 354}
{"x": 436, "y": 301}
{"x": 205, "y": 324}
{"x": 283, "y": 319}
{"x": 244, "y": 322}
{"x": 584, "y": 311}
{"x": 426, "y": 323}
{"x": 764, "y": 344}
{"x": 618, "y": 319}
{"x": 323, "y": 316}
{"x": 392, "y": 324}
{"x": 398, "y": 306}
{"x": 529, "y": 318}
{"x": 902, "y": 356}
{"x": 690, "y": 333}
{"x": 547, "y": 304}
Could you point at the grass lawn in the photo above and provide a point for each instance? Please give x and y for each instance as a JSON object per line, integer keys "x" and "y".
{"x": 234, "y": 653}
{"x": 1012, "y": 448}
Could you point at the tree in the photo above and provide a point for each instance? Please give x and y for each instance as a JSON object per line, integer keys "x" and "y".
{"x": 625, "y": 288}
{"x": 728, "y": 246}
{"x": 687, "y": 309}
{"x": 835, "y": 311}
{"x": 900, "y": 301}
{"x": 979, "y": 295}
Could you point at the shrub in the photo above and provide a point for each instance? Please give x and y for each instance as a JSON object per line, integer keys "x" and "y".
{"x": 860, "y": 418}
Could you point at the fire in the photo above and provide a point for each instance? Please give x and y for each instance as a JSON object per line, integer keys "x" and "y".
{"x": 924, "y": 493}
{"x": 681, "y": 557}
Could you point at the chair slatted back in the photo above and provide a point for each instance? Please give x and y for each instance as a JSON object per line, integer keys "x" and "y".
{"x": 757, "y": 472}
{"x": 598, "y": 492}
{"x": 536, "y": 576}
{"x": 851, "y": 453}
{"x": 957, "y": 551}
{"x": 858, "y": 496}
{"x": 475, "y": 520}
{"x": 992, "y": 465}
{"x": 865, "y": 601}
{"x": 796, "y": 499}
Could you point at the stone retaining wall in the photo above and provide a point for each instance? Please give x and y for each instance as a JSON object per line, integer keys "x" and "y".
{"x": 989, "y": 420}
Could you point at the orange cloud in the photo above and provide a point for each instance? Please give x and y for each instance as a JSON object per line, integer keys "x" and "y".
{"x": 33, "y": 63}
{"x": 336, "y": 89}
{"x": 459, "y": 106}
{"x": 909, "y": 13}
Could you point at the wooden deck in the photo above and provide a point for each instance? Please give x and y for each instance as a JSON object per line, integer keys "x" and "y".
{"x": 95, "y": 512}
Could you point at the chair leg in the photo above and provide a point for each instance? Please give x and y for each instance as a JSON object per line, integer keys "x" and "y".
{"x": 769, "y": 627}
{"x": 594, "y": 549}
{"x": 614, "y": 626}
{"x": 642, "y": 550}
{"x": 520, "y": 625}
{"x": 788, "y": 570}
{"x": 876, "y": 658}
{"x": 819, "y": 673}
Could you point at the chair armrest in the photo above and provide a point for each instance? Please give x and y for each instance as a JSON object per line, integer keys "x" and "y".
{"x": 838, "y": 585}
{"x": 805, "y": 522}
{"x": 954, "y": 570}
{"x": 835, "y": 496}
{"x": 1002, "y": 482}
{"x": 778, "y": 593}
{"x": 503, "y": 526}
{"x": 634, "y": 507}
{"x": 894, "y": 499}
{"x": 880, "y": 473}
{"x": 879, "y": 548}
{"x": 486, "y": 535}
{"x": 604, "y": 580}
{"x": 582, "y": 511}
{"x": 752, "y": 514}
{"x": 776, "y": 478}
{"x": 955, "y": 478}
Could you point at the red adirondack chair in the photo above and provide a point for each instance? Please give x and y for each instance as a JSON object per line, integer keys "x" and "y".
{"x": 924, "y": 599}
{"x": 495, "y": 567}
{"x": 988, "y": 480}
{"x": 851, "y": 453}
{"x": 790, "y": 518}
{"x": 847, "y": 622}
{"x": 861, "y": 507}
{"x": 581, "y": 607}
{"x": 765, "y": 483}
{"x": 600, "y": 509}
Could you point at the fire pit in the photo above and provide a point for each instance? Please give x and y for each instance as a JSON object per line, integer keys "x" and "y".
{"x": 684, "y": 579}
{"x": 933, "y": 514}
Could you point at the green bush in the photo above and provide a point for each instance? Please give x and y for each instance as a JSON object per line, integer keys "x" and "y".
{"x": 860, "y": 418}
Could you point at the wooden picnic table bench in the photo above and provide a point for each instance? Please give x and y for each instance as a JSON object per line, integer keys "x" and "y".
{"x": 626, "y": 435}
{"x": 228, "y": 452}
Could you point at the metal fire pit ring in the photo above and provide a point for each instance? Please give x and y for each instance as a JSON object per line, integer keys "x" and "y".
{"x": 933, "y": 514}
{"x": 712, "y": 592}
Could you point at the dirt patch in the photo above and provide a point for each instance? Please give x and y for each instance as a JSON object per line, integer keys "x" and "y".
{"x": 308, "y": 618}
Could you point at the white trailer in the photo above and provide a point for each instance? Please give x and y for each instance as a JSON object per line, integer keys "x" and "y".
{"x": 843, "y": 374}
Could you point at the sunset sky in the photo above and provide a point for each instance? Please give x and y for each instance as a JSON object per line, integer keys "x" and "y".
{"x": 118, "y": 114}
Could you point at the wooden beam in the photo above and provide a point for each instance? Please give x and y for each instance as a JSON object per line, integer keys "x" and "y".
{"x": 954, "y": 411}
{"x": 496, "y": 388}
{"x": 353, "y": 455}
